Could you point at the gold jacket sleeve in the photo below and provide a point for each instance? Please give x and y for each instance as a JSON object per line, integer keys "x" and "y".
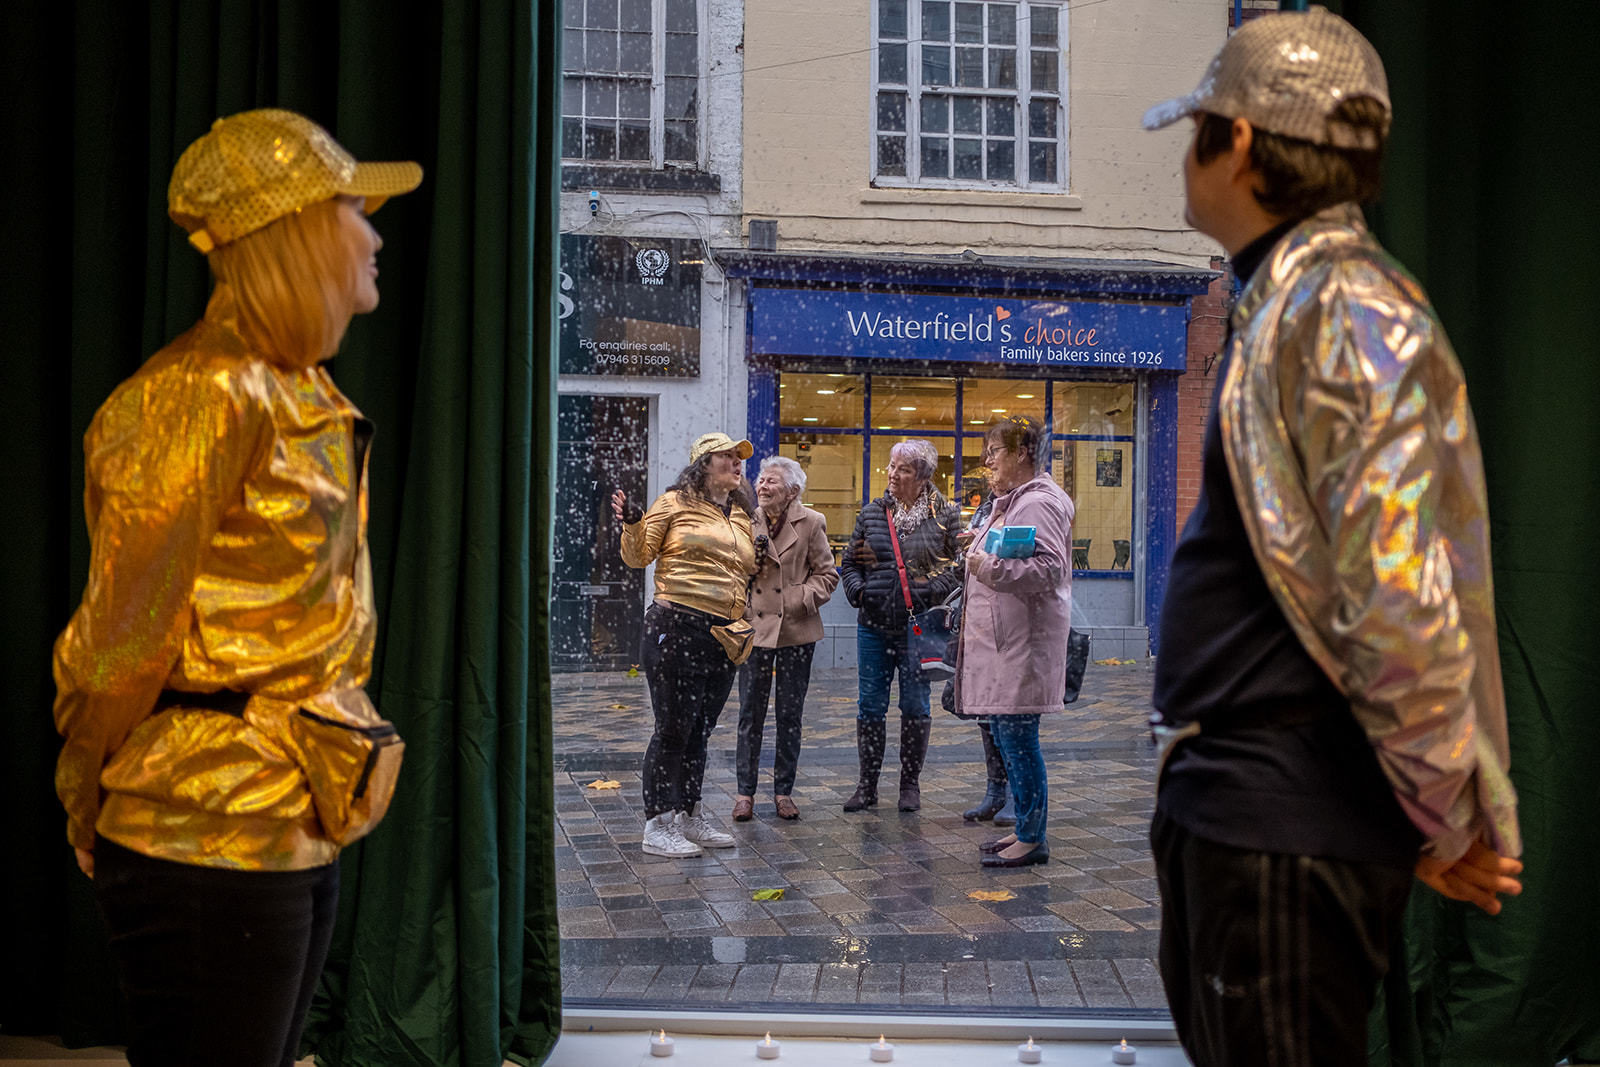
{"x": 163, "y": 456}
{"x": 1356, "y": 463}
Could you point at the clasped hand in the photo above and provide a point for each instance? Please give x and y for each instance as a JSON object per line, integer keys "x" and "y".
{"x": 1479, "y": 877}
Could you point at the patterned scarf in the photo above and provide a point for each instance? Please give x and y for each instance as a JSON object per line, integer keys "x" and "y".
{"x": 908, "y": 517}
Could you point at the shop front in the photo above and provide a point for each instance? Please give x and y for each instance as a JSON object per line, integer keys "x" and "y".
{"x": 848, "y": 356}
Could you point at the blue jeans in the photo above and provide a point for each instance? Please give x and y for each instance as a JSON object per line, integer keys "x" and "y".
{"x": 879, "y": 654}
{"x": 1017, "y": 738}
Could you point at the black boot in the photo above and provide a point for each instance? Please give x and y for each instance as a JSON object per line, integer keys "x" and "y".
{"x": 994, "y": 797}
{"x": 870, "y": 739}
{"x": 913, "y": 750}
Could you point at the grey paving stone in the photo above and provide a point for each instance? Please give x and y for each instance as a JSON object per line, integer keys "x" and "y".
{"x": 967, "y": 983}
{"x": 1100, "y": 985}
{"x": 1010, "y": 985}
{"x": 923, "y": 983}
{"x": 631, "y": 980}
{"x": 837, "y": 982}
{"x": 713, "y": 982}
{"x": 1054, "y": 984}
{"x": 1142, "y": 980}
{"x": 796, "y": 981}
{"x": 753, "y": 983}
{"x": 700, "y": 919}
{"x": 672, "y": 983}
{"x": 583, "y": 982}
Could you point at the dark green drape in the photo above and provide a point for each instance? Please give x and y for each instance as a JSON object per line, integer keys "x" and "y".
{"x": 1488, "y": 198}
{"x": 447, "y": 947}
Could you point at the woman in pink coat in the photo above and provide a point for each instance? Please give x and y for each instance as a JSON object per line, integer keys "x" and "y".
{"x": 1016, "y": 615}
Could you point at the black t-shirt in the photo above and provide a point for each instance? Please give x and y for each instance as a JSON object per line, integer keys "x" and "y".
{"x": 1280, "y": 764}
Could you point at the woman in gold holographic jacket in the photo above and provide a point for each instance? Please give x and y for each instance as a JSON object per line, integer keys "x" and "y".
{"x": 229, "y": 591}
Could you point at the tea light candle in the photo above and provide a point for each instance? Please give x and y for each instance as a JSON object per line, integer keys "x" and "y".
{"x": 882, "y": 1052}
{"x": 660, "y": 1044}
{"x": 1124, "y": 1053}
{"x": 768, "y": 1049}
{"x": 1029, "y": 1053}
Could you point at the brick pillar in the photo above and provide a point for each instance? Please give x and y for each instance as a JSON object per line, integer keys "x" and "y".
{"x": 1207, "y": 324}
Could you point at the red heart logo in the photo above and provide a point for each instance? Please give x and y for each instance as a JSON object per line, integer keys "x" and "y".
{"x": 1001, "y": 313}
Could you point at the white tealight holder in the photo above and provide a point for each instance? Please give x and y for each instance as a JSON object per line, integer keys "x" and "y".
{"x": 882, "y": 1052}
{"x": 660, "y": 1044}
{"x": 768, "y": 1049}
{"x": 1030, "y": 1053}
{"x": 1124, "y": 1053}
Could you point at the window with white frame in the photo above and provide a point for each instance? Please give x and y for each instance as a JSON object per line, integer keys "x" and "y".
{"x": 970, "y": 93}
{"x": 631, "y": 82}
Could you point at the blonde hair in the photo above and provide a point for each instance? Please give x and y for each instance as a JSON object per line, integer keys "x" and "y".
{"x": 295, "y": 283}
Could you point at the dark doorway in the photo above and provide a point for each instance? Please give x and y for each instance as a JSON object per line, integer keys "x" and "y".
{"x": 598, "y": 601}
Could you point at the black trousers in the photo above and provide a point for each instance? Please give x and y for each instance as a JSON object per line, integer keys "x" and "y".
{"x": 793, "y": 667}
{"x": 216, "y": 966}
{"x": 690, "y": 677}
{"x": 1269, "y": 958}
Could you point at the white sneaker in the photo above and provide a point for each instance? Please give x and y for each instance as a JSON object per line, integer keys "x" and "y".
{"x": 661, "y": 837}
{"x": 693, "y": 826}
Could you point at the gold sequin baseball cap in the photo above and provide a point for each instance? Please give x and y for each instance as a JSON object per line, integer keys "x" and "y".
{"x": 1285, "y": 73}
{"x": 255, "y": 167}
{"x": 719, "y": 442}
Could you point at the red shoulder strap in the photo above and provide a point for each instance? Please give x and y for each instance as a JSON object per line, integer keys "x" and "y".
{"x": 899, "y": 562}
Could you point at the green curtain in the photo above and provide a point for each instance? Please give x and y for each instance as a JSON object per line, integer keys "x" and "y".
{"x": 1488, "y": 198}
{"x": 447, "y": 946}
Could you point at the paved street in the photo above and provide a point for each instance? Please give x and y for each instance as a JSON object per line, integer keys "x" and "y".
{"x": 875, "y": 909}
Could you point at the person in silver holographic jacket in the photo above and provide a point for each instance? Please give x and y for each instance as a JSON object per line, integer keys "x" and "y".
{"x": 1328, "y": 688}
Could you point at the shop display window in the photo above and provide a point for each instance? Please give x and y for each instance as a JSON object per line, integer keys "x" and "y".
{"x": 841, "y": 428}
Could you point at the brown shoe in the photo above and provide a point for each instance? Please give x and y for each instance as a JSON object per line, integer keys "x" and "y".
{"x": 785, "y": 806}
{"x": 743, "y": 808}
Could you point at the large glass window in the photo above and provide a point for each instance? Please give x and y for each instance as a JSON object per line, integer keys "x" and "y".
{"x": 631, "y": 85}
{"x": 1093, "y": 461}
{"x": 970, "y": 94}
{"x": 841, "y": 427}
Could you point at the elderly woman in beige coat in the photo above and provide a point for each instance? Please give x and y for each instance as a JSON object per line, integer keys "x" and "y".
{"x": 796, "y": 577}
{"x": 1016, "y": 614}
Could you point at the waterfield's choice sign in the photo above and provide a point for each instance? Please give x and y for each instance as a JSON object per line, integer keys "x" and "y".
{"x": 968, "y": 329}
{"x": 630, "y": 306}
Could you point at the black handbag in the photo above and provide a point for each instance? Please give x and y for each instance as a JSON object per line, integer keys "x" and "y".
{"x": 1077, "y": 663}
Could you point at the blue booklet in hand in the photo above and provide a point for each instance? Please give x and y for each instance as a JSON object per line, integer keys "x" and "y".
{"x": 1009, "y": 542}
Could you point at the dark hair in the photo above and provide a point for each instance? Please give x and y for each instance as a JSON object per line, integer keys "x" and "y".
{"x": 1299, "y": 178}
{"x": 691, "y": 482}
{"x": 1018, "y": 433}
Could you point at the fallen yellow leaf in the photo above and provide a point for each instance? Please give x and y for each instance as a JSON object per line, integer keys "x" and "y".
{"x": 991, "y": 895}
{"x": 604, "y": 783}
{"x": 767, "y": 894}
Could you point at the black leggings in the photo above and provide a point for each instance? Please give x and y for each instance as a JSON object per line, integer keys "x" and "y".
{"x": 690, "y": 677}
{"x": 215, "y": 965}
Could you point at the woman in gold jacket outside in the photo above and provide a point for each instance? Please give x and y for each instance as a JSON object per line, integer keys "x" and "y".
{"x": 229, "y": 593}
{"x": 698, "y": 535}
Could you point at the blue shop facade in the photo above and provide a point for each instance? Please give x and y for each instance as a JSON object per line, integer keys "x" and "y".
{"x": 848, "y": 355}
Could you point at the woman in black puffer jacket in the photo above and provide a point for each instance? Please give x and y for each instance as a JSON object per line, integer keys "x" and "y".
{"x": 926, "y": 525}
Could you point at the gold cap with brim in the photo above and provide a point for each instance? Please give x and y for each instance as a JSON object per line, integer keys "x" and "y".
{"x": 255, "y": 167}
{"x": 708, "y": 443}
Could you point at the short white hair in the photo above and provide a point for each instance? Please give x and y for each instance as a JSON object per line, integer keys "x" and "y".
{"x": 794, "y": 475}
{"x": 921, "y": 455}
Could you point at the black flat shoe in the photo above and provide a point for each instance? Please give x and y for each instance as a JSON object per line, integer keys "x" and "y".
{"x": 997, "y": 843}
{"x": 1040, "y": 854}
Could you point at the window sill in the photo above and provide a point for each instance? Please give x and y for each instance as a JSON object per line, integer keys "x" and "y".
{"x": 971, "y": 197}
{"x": 578, "y": 177}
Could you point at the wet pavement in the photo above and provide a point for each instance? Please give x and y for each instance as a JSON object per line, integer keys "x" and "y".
{"x": 875, "y": 911}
